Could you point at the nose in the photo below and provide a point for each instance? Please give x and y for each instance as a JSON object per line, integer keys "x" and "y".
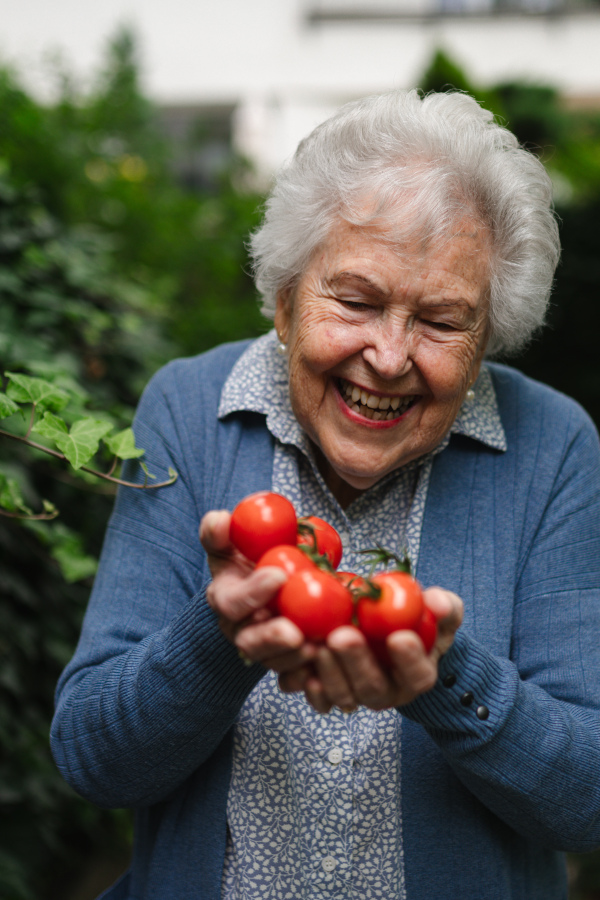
{"x": 389, "y": 350}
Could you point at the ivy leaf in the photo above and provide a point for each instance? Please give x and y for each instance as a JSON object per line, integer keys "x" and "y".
{"x": 11, "y": 498}
{"x": 122, "y": 444}
{"x": 8, "y": 407}
{"x": 51, "y": 426}
{"x": 66, "y": 547}
{"x": 147, "y": 473}
{"x": 73, "y": 561}
{"x": 81, "y": 442}
{"x": 28, "y": 389}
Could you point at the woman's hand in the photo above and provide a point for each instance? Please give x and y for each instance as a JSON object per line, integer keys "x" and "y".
{"x": 348, "y": 675}
{"x": 239, "y": 595}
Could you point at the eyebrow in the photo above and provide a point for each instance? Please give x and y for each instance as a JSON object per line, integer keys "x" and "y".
{"x": 446, "y": 303}
{"x": 363, "y": 280}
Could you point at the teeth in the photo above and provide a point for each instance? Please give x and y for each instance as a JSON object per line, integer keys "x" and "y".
{"x": 371, "y": 406}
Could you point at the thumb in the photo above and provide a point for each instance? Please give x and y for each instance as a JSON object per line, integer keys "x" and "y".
{"x": 236, "y": 598}
{"x": 214, "y": 532}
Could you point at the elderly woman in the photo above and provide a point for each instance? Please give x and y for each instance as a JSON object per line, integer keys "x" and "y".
{"x": 408, "y": 238}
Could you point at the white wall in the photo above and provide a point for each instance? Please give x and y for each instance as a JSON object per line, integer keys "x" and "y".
{"x": 283, "y": 74}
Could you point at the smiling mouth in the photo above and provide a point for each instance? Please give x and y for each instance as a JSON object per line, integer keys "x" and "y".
{"x": 373, "y": 406}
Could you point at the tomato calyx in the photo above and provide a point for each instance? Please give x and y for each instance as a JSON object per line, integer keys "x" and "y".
{"x": 380, "y": 556}
{"x": 320, "y": 560}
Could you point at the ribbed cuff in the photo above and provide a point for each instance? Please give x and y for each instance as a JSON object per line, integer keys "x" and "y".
{"x": 472, "y": 697}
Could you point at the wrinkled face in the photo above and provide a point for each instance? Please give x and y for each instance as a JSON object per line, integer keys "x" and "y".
{"x": 383, "y": 343}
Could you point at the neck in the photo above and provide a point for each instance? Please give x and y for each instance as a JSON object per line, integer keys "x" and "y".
{"x": 343, "y": 492}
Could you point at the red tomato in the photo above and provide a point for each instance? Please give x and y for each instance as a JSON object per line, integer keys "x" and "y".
{"x": 290, "y": 559}
{"x": 316, "y": 602}
{"x": 329, "y": 543}
{"x": 427, "y": 629}
{"x": 399, "y": 607}
{"x": 261, "y": 521}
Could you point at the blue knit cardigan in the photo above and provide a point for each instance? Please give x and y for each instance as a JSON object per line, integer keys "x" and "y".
{"x": 146, "y": 707}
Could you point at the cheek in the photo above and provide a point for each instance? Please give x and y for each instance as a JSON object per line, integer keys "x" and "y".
{"x": 448, "y": 369}
{"x": 321, "y": 344}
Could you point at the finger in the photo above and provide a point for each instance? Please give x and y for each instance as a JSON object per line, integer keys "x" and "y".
{"x": 294, "y": 681}
{"x": 333, "y": 678}
{"x": 214, "y": 532}
{"x": 370, "y": 685}
{"x": 272, "y": 640}
{"x": 236, "y": 598}
{"x": 449, "y": 610}
{"x": 316, "y": 696}
{"x": 412, "y": 670}
{"x": 445, "y": 605}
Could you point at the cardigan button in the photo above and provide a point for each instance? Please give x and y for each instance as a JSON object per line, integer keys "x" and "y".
{"x": 449, "y": 680}
{"x": 467, "y": 698}
{"x": 482, "y": 712}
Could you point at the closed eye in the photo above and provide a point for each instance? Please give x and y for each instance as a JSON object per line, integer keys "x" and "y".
{"x": 355, "y": 304}
{"x": 440, "y": 326}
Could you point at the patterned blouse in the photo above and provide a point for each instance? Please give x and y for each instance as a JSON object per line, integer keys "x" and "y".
{"x": 314, "y": 808}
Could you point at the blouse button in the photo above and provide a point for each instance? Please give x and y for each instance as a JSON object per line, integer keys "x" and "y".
{"x": 467, "y": 698}
{"x": 329, "y": 863}
{"x": 449, "y": 680}
{"x": 335, "y": 756}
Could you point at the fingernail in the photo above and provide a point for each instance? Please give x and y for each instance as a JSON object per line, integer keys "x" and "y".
{"x": 270, "y": 577}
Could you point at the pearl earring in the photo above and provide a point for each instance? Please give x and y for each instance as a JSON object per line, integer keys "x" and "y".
{"x": 470, "y": 395}
{"x": 281, "y": 347}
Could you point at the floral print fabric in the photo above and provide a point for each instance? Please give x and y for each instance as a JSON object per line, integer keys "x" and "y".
{"x": 314, "y": 808}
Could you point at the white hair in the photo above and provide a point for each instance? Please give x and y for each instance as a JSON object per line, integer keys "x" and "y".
{"x": 426, "y": 161}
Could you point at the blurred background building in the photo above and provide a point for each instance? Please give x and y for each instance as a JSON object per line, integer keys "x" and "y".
{"x": 259, "y": 75}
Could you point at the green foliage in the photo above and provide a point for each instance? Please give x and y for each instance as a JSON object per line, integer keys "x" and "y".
{"x": 566, "y": 353}
{"x": 74, "y": 331}
{"x": 100, "y": 160}
{"x": 108, "y": 268}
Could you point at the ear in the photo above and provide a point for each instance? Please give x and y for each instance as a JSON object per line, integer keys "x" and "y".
{"x": 283, "y": 313}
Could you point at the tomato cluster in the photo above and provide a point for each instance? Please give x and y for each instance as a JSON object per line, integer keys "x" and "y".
{"x": 316, "y": 597}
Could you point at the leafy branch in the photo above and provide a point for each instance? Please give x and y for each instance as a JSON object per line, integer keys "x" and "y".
{"x": 75, "y": 444}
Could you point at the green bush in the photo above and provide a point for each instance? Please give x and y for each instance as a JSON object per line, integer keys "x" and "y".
{"x": 68, "y": 315}
{"x": 108, "y": 268}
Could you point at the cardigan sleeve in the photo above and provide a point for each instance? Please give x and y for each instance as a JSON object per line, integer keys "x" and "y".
{"x": 153, "y": 685}
{"x": 523, "y": 733}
